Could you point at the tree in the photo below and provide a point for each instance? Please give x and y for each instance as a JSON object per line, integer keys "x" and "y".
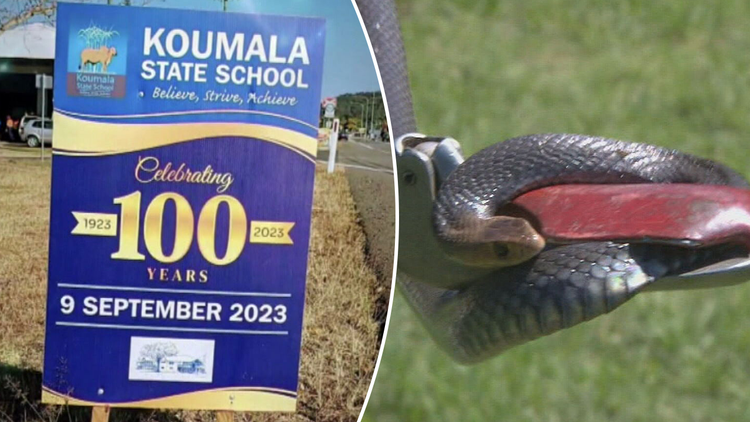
{"x": 14, "y": 13}
{"x": 360, "y": 105}
{"x": 18, "y": 12}
{"x": 156, "y": 352}
{"x": 352, "y": 124}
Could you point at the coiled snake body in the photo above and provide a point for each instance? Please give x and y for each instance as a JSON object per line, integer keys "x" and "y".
{"x": 475, "y": 288}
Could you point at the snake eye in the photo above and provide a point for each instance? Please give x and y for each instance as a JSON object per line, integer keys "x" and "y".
{"x": 410, "y": 178}
{"x": 501, "y": 251}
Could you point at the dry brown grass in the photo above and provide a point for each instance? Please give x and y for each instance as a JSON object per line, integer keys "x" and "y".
{"x": 340, "y": 338}
{"x": 24, "y": 220}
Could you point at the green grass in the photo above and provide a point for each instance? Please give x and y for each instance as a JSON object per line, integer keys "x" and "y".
{"x": 668, "y": 73}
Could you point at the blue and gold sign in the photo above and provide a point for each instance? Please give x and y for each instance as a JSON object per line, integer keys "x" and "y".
{"x": 182, "y": 189}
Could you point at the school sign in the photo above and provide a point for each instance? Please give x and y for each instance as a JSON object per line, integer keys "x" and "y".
{"x": 181, "y": 200}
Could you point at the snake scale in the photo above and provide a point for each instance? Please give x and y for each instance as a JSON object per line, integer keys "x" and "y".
{"x": 508, "y": 301}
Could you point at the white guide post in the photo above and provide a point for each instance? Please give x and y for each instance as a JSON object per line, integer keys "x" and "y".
{"x": 333, "y": 140}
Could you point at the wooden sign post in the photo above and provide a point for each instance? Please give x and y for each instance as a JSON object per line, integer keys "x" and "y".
{"x": 224, "y": 416}
{"x": 99, "y": 414}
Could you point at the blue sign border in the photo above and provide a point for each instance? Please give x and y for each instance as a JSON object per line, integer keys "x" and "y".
{"x": 153, "y": 331}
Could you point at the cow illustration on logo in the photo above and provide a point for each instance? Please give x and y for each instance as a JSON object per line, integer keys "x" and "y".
{"x": 96, "y": 62}
{"x": 103, "y": 55}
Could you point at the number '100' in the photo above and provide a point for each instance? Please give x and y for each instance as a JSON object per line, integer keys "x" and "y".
{"x": 130, "y": 208}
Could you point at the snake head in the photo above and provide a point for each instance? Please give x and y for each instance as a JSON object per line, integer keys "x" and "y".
{"x": 475, "y": 240}
{"x": 422, "y": 163}
{"x": 450, "y": 256}
{"x": 478, "y": 247}
{"x": 494, "y": 242}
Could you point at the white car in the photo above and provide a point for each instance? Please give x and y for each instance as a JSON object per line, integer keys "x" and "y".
{"x": 32, "y": 132}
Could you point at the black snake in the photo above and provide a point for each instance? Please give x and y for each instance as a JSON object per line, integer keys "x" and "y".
{"x": 470, "y": 273}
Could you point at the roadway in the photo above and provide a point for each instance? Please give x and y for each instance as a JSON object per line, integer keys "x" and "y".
{"x": 369, "y": 170}
{"x": 361, "y": 154}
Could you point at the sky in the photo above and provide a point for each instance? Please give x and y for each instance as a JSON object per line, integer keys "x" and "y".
{"x": 348, "y": 64}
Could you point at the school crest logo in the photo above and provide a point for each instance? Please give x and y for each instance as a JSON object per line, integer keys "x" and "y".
{"x": 96, "y": 62}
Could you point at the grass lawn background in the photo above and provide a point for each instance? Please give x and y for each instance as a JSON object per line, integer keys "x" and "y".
{"x": 669, "y": 73}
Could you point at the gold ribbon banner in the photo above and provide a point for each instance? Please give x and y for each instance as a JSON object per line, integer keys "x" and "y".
{"x": 75, "y": 136}
{"x": 271, "y": 232}
{"x": 235, "y": 399}
{"x": 95, "y": 224}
